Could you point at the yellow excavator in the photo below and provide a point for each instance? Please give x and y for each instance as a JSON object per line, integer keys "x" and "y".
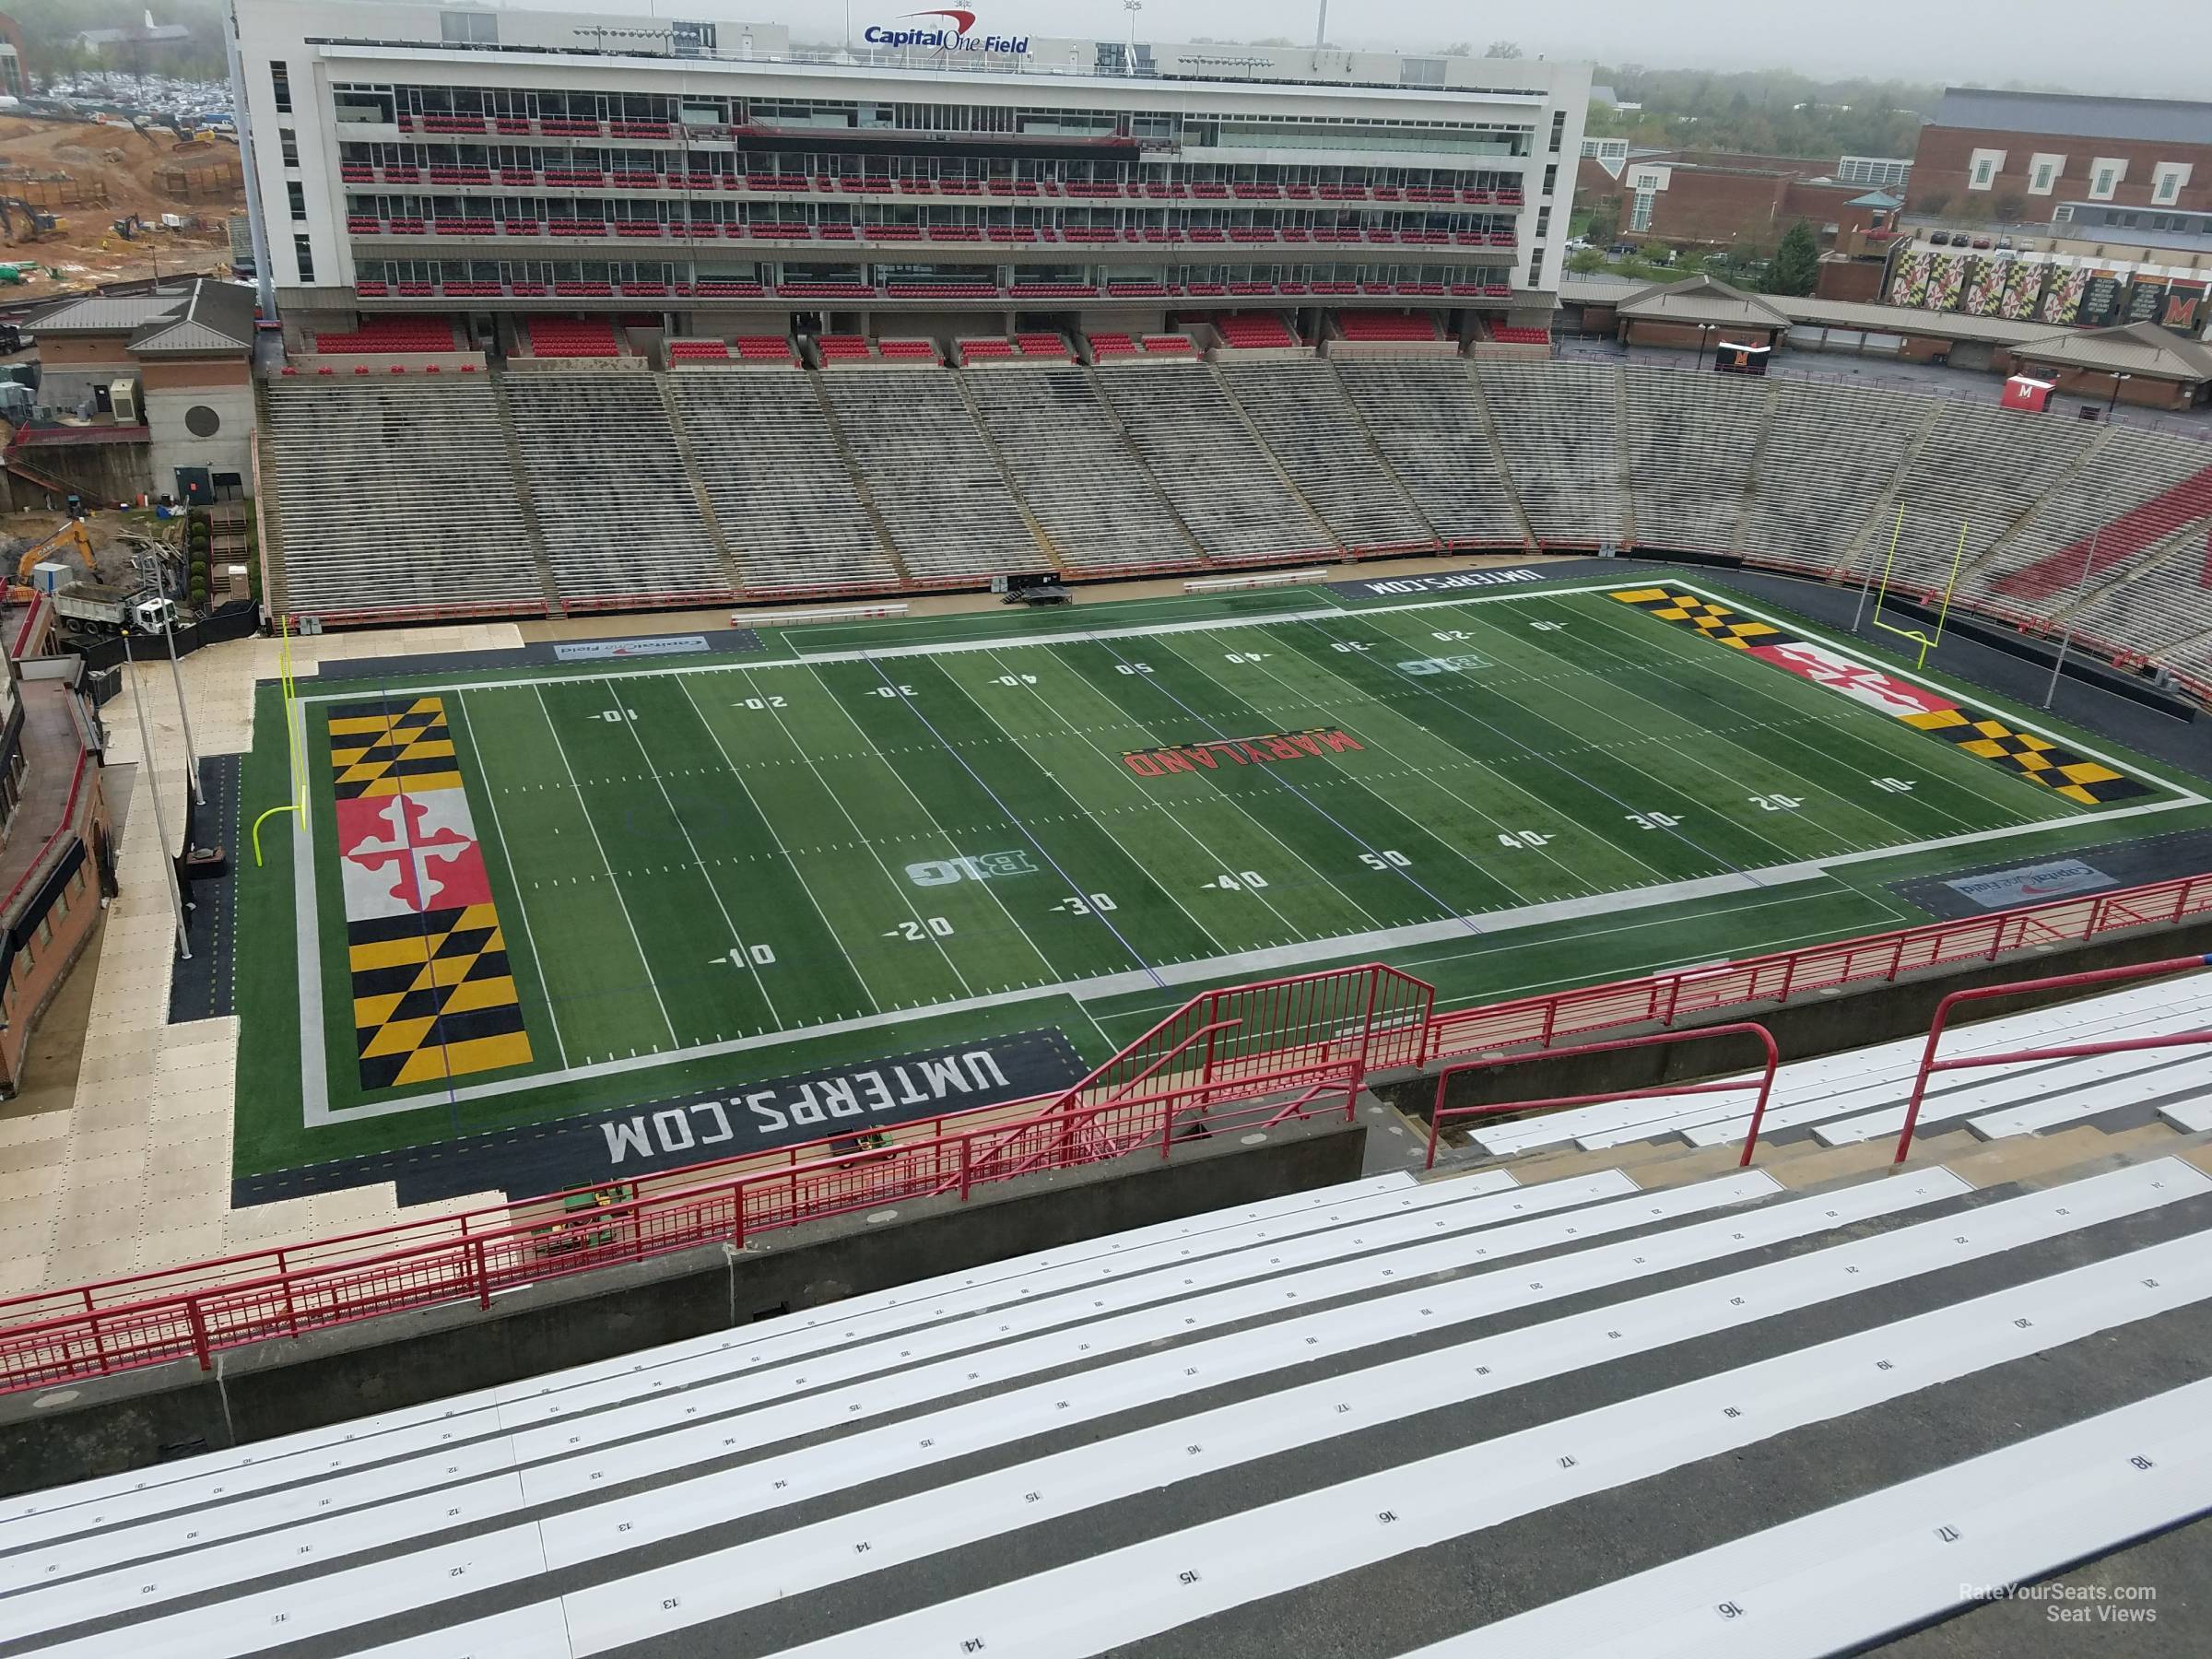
{"x": 69, "y": 539}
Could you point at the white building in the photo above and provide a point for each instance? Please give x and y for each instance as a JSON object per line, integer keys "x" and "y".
{"x": 461, "y": 161}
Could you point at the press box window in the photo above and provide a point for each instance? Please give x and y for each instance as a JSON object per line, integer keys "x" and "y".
{"x": 288, "y": 141}
{"x": 304, "y": 251}
{"x": 294, "y": 195}
{"x": 280, "y": 81}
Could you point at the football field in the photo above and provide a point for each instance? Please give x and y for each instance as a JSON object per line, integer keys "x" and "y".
{"x": 518, "y": 894}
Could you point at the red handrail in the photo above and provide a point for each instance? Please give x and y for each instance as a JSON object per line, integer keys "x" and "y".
{"x": 1439, "y": 1113}
{"x": 1929, "y": 1064}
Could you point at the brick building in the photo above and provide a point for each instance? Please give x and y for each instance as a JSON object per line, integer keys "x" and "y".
{"x": 1718, "y": 199}
{"x": 2042, "y": 156}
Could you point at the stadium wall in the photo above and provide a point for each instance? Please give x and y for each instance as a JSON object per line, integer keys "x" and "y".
{"x": 141, "y": 1418}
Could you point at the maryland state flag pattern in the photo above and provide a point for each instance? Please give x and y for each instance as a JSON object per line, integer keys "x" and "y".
{"x": 2039, "y": 760}
{"x": 433, "y": 996}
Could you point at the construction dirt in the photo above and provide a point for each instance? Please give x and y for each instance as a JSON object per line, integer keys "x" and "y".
{"x": 145, "y": 174}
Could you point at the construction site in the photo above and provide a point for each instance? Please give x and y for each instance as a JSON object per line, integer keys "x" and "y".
{"x": 86, "y": 202}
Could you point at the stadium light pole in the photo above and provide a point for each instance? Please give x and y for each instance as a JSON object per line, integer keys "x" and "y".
{"x": 2089, "y": 565}
{"x": 153, "y": 788}
{"x": 176, "y": 675}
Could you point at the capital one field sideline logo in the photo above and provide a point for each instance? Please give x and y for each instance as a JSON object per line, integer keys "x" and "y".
{"x": 959, "y": 37}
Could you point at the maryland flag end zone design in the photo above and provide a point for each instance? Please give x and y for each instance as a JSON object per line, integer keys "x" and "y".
{"x": 433, "y": 996}
{"x": 2037, "y": 759}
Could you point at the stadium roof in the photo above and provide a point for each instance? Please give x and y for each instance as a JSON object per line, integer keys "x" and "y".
{"x": 207, "y": 316}
{"x": 2069, "y": 115}
{"x": 2134, "y": 349}
{"x": 1701, "y": 300}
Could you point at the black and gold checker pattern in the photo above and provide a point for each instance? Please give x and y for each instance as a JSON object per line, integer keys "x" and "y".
{"x": 382, "y": 748}
{"x": 2039, "y": 760}
{"x": 433, "y": 996}
{"x": 1709, "y": 617}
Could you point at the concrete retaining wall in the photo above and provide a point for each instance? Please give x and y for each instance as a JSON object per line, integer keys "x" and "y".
{"x": 149, "y": 1416}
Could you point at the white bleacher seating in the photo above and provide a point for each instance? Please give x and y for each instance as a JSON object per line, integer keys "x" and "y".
{"x": 781, "y": 491}
{"x": 1302, "y": 416}
{"x": 1100, "y": 507}
{"x": 1833, "y": 454}
{"x": 930, "y": 474}
{"x": 1861, "y": 1093}
{"x": 397, "y": 496}
{"x": 1981, "y": 467}
{"x": 1221, "y": 481}
{"x": 1690, "y": 441}
{"x": 1427, "y": 422}
{"x": 1197, "y": 1429}
{"x": 613, "y": 501}
{"x": 1560, "y": 427}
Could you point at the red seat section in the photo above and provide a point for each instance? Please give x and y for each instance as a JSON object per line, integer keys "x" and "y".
{"x": 1247, "y": 333}
{"x": 1042, "y": 346}
{"x": 1386, "y": 325}
{"x": 765, "y": 348}
{"x": 986, "y": 347}
{"x": 695, "y": 351}
{"x": 1509, "y": 335}
{"x": 572, "y": 337}
{"x": 1167, "y": 345}
{"x": 1112, "y": 345}
{"x": 843, "y": 348}
{"x": 909, "y": 351}
{"x": 393, "y": 334}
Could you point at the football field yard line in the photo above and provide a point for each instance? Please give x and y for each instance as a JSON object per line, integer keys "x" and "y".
{"x": 904, "y": 893}
{"x": 1362, "y": 700}
{"x": 1689, "y": 745}
{"x": 522, "y": 905}
{"x": 1683, "y": 746}
{"x": 1060, "y": 714}
{"x": 1628, "y": 811}
{"x": 1358, "y": 700}
{"x": 1449, "y": 910}
{"x": 626, "y": 719}
{"x": 1338, "y": 668}
{"x": 583, "y": 807}
{"x": 1126, "y": 719}
{"x": 774, "y": 837}
{"x": 952, "y": 846}
{"x": 1850, "y": 727}
{"x": 913, "y": 706}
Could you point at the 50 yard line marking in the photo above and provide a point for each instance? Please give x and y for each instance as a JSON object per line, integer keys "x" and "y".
{"x": 620, "y": 903}
{"x": 522, "y": 909}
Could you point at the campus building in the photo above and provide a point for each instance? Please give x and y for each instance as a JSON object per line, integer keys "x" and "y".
{"x": 2036, "y": 156}
{"x": 466, "y": 161}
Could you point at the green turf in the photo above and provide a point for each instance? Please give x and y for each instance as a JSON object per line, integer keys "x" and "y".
{"x": 720, "y": 850}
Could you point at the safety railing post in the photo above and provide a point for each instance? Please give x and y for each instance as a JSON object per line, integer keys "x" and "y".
{"x": 476, "y": 1249}
{"x": 1766, "y": 1091}
{"x": 967, "y": 1166}
{"x": 201, "y": 1350}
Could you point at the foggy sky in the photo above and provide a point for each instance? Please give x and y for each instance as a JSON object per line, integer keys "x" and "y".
{"x": 2142, "y": 48}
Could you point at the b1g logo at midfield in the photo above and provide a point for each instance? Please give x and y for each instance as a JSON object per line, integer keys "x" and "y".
{"x": 960, "y": 37}
{"x": 982, "y": 867}
{"x": 1240, "y": 751}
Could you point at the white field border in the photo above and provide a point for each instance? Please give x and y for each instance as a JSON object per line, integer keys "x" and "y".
{"x": 314, "y": 1091}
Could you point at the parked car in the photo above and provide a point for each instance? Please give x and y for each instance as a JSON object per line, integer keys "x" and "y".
{"x": 1621, "y": 250}
{"x": 2004, "y": 244}
{"x": 1983, "y": 242}
{"x": 1575, "y": 244}
{"x": 1940, "y": 238}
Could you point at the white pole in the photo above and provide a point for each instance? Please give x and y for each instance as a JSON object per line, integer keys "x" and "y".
{"x": 1321, "y": 27}
{"x": 153, "y": 788}
{"x": 2089, "y": 565}
{"x": 176, "y": 675}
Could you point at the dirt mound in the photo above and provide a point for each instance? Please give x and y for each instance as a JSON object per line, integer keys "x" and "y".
{"x": 88, "y": 251}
